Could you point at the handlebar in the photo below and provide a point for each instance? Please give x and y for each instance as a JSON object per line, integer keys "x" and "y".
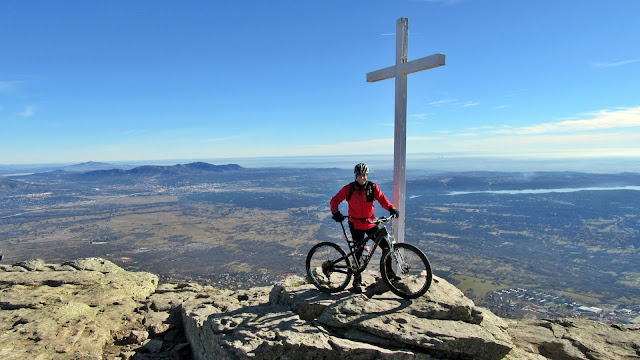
{"x": 380, "y": 220}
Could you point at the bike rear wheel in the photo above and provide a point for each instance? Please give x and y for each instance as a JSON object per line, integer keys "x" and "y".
{"x": 411, "y": 276}
{"x": 328, "y": 267}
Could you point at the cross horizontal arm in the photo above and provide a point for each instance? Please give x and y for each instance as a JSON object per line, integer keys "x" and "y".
{"x": 407, "y": 68}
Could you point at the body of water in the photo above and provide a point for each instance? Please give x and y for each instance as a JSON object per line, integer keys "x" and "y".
{"x": 17, "y": 174}
{"x": 544, "y": 191}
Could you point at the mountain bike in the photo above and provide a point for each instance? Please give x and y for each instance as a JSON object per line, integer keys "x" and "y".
{"x": 405, "y": 269}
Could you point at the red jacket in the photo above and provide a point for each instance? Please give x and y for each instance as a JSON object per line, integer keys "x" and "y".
{"x": 360, "y": 210}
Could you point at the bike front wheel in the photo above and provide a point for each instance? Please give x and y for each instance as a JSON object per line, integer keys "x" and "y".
{"x": 328, "y": 267}
{"x": 406, "y": 271}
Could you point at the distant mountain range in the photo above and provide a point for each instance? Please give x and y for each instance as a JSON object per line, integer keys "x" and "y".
{"x": 20, "y": 170}
{"x": 19, "y": 186}
{"x": 179, "y": 174}
{"x": 175, "y": 175}
{"x": 90, "y": 166}
{"x": 157, "y": 170}
{"x": 200, "y": 172}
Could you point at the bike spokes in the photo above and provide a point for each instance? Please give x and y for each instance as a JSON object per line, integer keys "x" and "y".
{"x": 406, "y": 271}
{"x": 328, "y": 267}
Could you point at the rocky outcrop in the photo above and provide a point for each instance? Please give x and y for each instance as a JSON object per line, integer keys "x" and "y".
{"x": 293, "y": 320}
{"x": 92, "y": 309}
{"x": 84, "y": 309}
{"x": 576, "y": 339}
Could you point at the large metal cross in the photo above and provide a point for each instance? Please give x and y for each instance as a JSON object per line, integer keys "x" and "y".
{"x": 400, "y": 71}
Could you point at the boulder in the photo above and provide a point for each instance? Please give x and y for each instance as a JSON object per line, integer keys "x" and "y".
{"x": 295, "y": 320}
{"x": 576, "y": 339}
{"x": 58, "y": 312}
{"x": 298, "y": 320}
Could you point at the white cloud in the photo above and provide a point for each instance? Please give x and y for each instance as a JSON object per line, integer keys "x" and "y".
{"x": 28, "y": 111}
{"x": 604, "y": 133}
{"x": 6, "y": 86}
{"x": 443, "y": 2}
{"x": 222, "y": 139}
{"x": 483, "y": 127}
{"x": 515, "y": 93}
{"x": 377, "y": 146}
{"x": 552, "y": 146}
{"x": 134, "y": 132}
{"x": 422, "y": 138}
{"x": 599, "y": 134}
{"x": 600, "y": 120}
{"x": 613, "y": 64}
{"x": 453, "y": 102}
{"x": 442, "y": 102}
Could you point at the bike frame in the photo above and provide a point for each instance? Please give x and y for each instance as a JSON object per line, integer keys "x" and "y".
{"x": 406, "y": 276}
{"x": 378, "y": 236}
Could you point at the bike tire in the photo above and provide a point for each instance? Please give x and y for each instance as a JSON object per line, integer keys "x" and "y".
{"x": 414, "y": 276}
{"x": 323, "y": 272}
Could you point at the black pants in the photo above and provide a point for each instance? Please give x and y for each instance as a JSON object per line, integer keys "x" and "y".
{"x": 357, "y": 235}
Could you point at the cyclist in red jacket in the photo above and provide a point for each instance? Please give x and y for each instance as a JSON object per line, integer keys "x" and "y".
{"x": 360, "y": 195}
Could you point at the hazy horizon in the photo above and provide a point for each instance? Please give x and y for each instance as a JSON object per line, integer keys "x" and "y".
{"x": 382, "y": 162}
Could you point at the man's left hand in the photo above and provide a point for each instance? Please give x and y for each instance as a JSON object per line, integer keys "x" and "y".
{"x": 394, "y": 212}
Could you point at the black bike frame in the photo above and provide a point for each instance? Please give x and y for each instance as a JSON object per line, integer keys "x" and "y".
{"x": 353, "y": 246}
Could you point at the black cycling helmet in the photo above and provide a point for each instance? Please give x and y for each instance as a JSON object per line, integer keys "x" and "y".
{"x": 361, "y": 168}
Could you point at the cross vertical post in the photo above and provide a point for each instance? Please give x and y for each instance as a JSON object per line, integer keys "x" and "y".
{"x": 400, "y": 130}
{"x": 400, "y": 71}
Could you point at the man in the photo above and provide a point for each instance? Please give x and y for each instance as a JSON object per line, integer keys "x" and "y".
{"x": 360, "y": 195}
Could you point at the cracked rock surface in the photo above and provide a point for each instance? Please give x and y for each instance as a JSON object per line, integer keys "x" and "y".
{"x": 93, "y": 309}
{"x": 86, "y": 309}
{"x": 293, "y": 320}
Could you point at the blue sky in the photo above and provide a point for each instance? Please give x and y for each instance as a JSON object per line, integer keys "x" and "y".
{"x": 157, "y": 80}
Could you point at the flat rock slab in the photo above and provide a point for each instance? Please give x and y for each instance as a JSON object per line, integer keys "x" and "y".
{"x": 50, "y": 311}
{"x": 297, "y": 320}
{"x": 576, "y": 339}
{"x": 293, "y": 320}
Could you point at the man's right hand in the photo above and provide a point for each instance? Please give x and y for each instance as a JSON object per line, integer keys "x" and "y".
{"x": 337, "y": 216}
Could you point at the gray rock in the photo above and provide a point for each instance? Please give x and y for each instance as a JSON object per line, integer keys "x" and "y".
{"x": 32, "y": 265}
{"x": 157, "y": 322}
{"x": 51, "y": 314}
{"x": 92, "y": 309}
{"x": 153, "y": 345}
{"x": 94, "y": 264}
{"x": 181, "y": 351}
{"x": 126, "y": 355}
{"x": 137, "y": 337}
{"x": 300, "y": 322}
{"x": 576, "y": 339}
